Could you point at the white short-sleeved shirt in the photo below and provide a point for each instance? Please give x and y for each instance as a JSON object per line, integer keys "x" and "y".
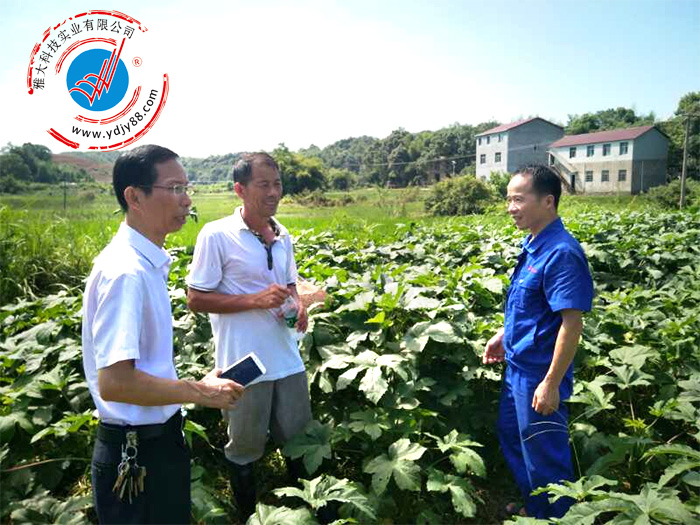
{"x": 230, "y": 259}
{"x": 127, "y": 315}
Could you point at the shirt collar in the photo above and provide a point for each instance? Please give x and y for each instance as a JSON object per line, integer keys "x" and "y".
{"x": 532, "y": 245}
{"x": 156, "y": 255}
{"x": 240, "y": 224}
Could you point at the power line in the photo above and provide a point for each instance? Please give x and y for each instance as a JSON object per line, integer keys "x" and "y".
{"x": 474, "y": 155}
{"x": 441, "y": 159}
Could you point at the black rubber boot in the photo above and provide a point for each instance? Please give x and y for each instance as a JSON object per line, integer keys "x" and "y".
{"x": 242, "y": 479}
{"x": 295, "y": 470}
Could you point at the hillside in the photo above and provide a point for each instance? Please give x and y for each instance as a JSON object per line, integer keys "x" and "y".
{"x": 101, "y": 171}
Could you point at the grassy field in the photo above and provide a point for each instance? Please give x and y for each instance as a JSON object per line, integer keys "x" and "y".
{"x": 44, "y": 246}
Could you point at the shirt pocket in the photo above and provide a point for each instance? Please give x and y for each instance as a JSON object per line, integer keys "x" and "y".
{"x": 529, "y": 294}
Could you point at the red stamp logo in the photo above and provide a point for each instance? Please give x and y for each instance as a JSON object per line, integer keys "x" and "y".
{"x": 95, "y": 81}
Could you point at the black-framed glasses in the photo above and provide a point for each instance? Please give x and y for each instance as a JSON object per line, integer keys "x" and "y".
{"x": 175, "y": 189}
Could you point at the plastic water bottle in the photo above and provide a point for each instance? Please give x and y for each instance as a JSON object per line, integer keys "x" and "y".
{"x": 289, "y": 312}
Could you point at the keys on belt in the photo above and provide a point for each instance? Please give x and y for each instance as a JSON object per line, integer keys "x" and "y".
{"x": 130, "y": 475}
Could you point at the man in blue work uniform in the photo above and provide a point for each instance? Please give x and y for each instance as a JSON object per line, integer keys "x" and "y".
{"x": 551, "y": 287}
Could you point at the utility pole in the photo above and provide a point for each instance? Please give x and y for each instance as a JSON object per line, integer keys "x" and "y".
{"x": 685, "y": 161}
{"x": 65, "y": 190}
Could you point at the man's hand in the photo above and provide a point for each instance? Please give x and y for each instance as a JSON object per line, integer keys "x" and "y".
{"x": 546, "y": 398}
{"x": 272, "y": 297}
{"x": 495, "y": 353}
{"x": 217, "y": 393}
{"x": 302, "y": 317}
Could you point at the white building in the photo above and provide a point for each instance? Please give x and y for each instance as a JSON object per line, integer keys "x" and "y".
{"x": 508, "y": 147}
{"x": 623, "y": 160}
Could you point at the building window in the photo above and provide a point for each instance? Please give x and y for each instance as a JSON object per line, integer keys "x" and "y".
{"x": 500, "y": 137}
{"x": 572, "y": 153}
{"x": 488, "y": 139}
{"x": 479, "y": 141}
{"x": 589, "y": 176}
{"x": 604, "y": 176}
{"x": 498, "y": 157}
{"x": 482, "y": 159}
{"x": 623, "y": 148}
{"x": 606, "y": 150}
{"x": 590, "y": 150}
{"x": 622, "y": 175}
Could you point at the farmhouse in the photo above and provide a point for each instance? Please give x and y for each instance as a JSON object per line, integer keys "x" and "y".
{"x": 628, "y": 160}
{"x": 507, "y": 147}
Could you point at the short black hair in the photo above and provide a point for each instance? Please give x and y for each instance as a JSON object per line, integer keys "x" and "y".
{"x": 243, "y": 168}
{"x": 137, "y": 168}
{"x": 545, "y": 181}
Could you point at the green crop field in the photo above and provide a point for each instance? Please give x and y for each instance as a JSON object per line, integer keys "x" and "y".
{"x": 404, "y": 412}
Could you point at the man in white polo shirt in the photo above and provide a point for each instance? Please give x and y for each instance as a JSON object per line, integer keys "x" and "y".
{"x": 242, "y": 271}
{"x": 128, "y": 351}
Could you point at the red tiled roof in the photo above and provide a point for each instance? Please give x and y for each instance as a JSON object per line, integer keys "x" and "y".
{"x": 506, "y": 127}
{"x": 601, "y": 136}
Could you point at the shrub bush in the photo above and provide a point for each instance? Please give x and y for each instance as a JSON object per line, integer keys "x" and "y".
{"x": 499, "y": 181}
{"x": 459, "y": 196}
{"x": 8, "y": 184}
{"x": 669, "y": 195}
{"x": 318, "y": 199}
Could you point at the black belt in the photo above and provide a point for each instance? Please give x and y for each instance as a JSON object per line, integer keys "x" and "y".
{"x": 117, "y": 433}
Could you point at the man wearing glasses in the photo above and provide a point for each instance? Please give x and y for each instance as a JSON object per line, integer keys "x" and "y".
{"x": 242, "y": 272}
{"x": 141, "y": 465}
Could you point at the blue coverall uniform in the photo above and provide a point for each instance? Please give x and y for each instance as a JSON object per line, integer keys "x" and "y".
{"x": 551, "y": 275}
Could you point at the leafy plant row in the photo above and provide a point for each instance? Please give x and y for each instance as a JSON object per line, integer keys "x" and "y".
{"x": 404, "y": 411}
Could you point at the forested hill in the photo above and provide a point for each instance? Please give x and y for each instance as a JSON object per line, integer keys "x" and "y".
{"x": 400, "y": 159}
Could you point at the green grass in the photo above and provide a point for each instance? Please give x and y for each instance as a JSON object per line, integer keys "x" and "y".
{"x": 44, "y": 247}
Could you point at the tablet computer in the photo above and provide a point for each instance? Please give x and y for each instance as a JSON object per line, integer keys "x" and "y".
{"x": 246, "y": 369}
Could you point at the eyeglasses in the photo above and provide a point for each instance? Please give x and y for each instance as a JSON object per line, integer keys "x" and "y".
{"x": 176, "y": 189}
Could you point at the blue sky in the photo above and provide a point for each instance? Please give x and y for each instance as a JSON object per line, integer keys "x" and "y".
{"x": 247, "y": 75}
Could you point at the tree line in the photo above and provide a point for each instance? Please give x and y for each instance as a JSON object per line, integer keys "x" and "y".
{"x": 398, "y": 160}
{"x": 404, "y": 158}
{"x": 20, "y": 166}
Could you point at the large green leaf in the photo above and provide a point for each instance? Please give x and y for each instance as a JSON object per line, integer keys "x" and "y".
{"x": 579, "y": 490}
{"x": 323, "y": 489}
{"x": 626, "y": 376}
{"x": 400, "y": 464}
{"x": 374, "y": 383}
{"x": 492, "y": 284}
{"x": 43, "y": 508}
{"x": 689, "y": 460}
{"x": 361, "y": 301}
{"x": 462, "y": 454}
{"x": 585, "y": 513}
{"x": 593, "y": 395}
{"x": 635, "y": 356}
{"x": 194, "y": 428}
{"x": 418, "y": 336}
{"x": 655, "y": 505}
{"x": 462, "y": 492}
{"x": 674, "y": 450}
{"x": 8, "y": 423}
{"x": 420, "y": 302}
{"x": 313, "y": 444}
{"x": 269, "y": 515}
{"x": 372, "y": 422}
